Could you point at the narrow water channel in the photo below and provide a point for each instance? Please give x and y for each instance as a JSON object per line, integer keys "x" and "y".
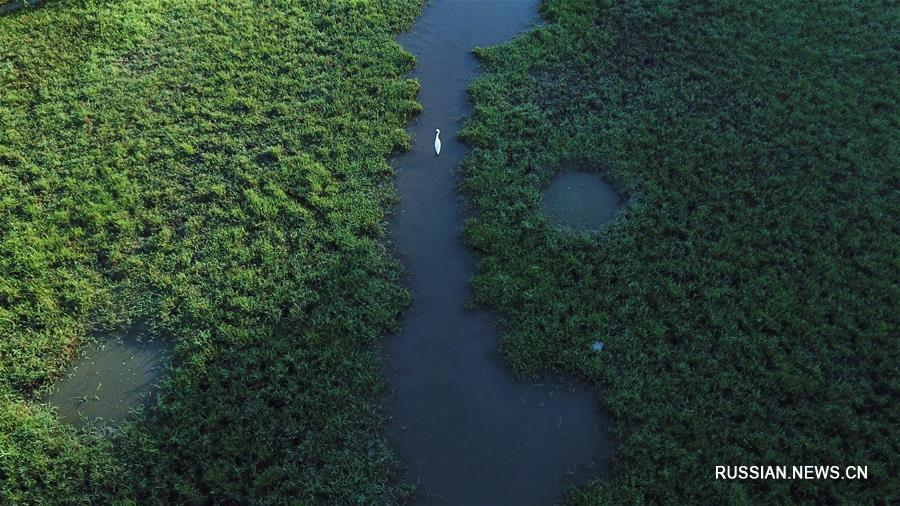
{"x": 469, "y": 433}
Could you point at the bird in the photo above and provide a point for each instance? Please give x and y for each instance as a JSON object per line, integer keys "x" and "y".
{"x": 437, "y": 141}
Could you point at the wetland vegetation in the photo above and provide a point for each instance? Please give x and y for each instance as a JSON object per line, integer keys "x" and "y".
{"x": 219, "y": 170}
{"x": 748, "y": 294}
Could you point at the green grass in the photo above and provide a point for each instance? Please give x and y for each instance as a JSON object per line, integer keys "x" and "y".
{"x": 748, "y": 294}
{"x": 220, "y": 170}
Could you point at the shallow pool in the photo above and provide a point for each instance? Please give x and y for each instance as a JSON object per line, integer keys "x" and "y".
{"x": 114, "y": 374}
{"x": 580, "y": 200}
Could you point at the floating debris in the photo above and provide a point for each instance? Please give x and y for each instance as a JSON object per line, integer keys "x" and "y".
{"x": 597, "y": 347}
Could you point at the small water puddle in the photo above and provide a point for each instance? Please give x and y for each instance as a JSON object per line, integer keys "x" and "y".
{"x": 14, "y": 5}
{"x": 113, "y": 375}
{"x": 580, "y": 200}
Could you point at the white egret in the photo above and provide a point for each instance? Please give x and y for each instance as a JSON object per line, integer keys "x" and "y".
{"x": 437, "y": 141}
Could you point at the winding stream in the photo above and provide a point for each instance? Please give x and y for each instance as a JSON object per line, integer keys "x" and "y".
{"x": 467, "y": 431}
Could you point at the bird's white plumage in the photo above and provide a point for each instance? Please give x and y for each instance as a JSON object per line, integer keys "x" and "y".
{"x": 437, "y": 141}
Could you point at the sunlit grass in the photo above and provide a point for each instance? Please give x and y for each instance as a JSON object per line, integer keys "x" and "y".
{"x": 220, "y": 169}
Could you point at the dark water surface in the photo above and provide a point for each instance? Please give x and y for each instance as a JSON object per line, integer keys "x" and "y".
{"x": 113, "y": 376}
{"x": 580, "y": 200}
{"x": 13, "y": 6}
{"x": 469, "y": 434}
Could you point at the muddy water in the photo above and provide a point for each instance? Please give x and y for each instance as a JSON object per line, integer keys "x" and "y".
{"x": 580, "y": 200}
{"x": 112, "y": 376}
{"x": 468, "y": 432}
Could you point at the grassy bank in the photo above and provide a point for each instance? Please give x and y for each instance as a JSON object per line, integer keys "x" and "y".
{"x": 218, "y": 169}
{"x": 748, "y": 293}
